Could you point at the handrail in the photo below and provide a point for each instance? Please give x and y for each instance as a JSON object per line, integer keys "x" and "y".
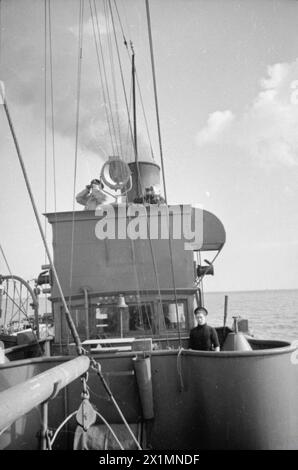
{"x": 22, "y": 398}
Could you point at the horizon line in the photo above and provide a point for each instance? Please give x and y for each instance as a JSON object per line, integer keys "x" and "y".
{"x": 250, "y": 290}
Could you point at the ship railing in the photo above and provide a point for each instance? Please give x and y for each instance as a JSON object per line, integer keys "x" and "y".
{"x": 19, "y": 399}
{"x": 110, "y": 344}
{"x": 45, "y": 343}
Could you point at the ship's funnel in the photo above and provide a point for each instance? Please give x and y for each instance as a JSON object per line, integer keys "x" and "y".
{"x": 144, "y": 175}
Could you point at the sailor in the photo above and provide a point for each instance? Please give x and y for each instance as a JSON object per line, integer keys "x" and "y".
{"x": 203, "y": 337}
{"x": 152, "y": 196}
{"x": 92, "y": 195}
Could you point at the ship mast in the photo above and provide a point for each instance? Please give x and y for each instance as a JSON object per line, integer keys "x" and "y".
{"x": 135, "y": 139}
{"x": 134, "y": 102}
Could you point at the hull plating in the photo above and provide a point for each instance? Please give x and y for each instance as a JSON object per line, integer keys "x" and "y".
{"x": 202, "y": 400}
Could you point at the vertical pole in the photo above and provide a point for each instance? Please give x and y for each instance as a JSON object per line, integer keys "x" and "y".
{"x": 135, "y": 139}
{"x": 2, "y": 353}
{"x": 36, "y": 313}
{"x": 47, "y": 348}
{"x": 1, "y": 297}
{"x": 155, "y": 98}
{"x": 86, "y": 313}
{"x": 6, "y": 304}
{"x": 134, "y": 107}
{"x": 226, "y": 310}
{"x": 44, "y": 426}
{"x": 121, "y": 322}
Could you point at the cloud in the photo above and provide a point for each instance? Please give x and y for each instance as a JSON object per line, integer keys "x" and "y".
{"x": 23, "y": 67}
{"x": 91, "y": 24}
{"x": 267, "y": 128}
{"x": 217, "y": 123}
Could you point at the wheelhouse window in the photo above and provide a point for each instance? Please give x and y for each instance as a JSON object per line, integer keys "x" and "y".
{"x": 79, "y": 319}
{"x": 173, "y": 315}
{"x": 78, "y": 314}
{"x": 136, "y": 320}
{"x": 141, "y": 319}
{"x": 107, "y": 320}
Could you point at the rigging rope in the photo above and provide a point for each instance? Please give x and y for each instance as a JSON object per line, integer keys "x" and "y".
{"x": 45, "y": 119}
{"x": 179, "y": 368}
{"x": 12, "y": 299}
{"x": 138, "y": 83}
{"x": 110, "y": 429}
{"x": 105, "y": 83}
{"x": 155, "y": 98}
{"x": 127, "y": 139}
{"x": 52, "y": 441}
{"x": 201, "y": 279}
{"x": 132, "y": 139}
{"x": 52, "y": 125}
{"x": 79, "y": 71}
{"x": 48, "y": 46}
{"x": 21, "y": 306}
{"x": 14, "y": 295}
{"x": 157, "y": 281}
{"x": 6, "y": 303}
{"x": 128, "y": 113}
{"x": 97, "y": 368}
{"x": 122, "y": 76}
{"x": 110, "y": 49}
{"x": 52, "y": 108}
{"x": 28, "y": 186}
{"x": 5, "y": 259}
{"x": 162, "y": 160}
{"x": 1, "y": 35}
{"x": 102, "y": 80}
{"x": 61, "y": 426}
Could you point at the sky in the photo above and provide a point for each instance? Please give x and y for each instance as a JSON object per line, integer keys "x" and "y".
{"x": 227, "y": 80}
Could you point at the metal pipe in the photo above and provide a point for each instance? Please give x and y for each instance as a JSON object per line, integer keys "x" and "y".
{"x": 20, "y": 399}
{"x": 85, "y": 290}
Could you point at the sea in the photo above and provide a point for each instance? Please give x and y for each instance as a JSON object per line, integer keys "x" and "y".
{"x": 271, "y": 314}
